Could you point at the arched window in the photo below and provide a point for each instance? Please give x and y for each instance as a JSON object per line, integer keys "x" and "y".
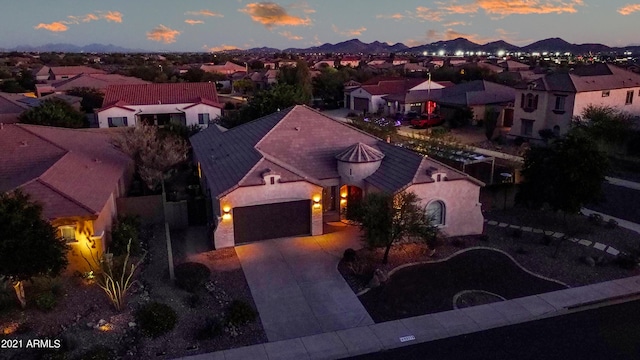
{"x": 436, "y": 211}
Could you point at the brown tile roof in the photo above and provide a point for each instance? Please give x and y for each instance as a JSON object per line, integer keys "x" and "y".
{"x": 152, "y": 94}
{"x": 255, "y": 176}
{"x": 392, "y": 86}
{"x": 75, "y": 70}
{"x": 72, "y": 172}
{"x": 589, "y": 78}
{"x": 96, "y": 81}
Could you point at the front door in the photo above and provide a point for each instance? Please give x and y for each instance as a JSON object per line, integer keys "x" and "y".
{"x": 354, "y": 199}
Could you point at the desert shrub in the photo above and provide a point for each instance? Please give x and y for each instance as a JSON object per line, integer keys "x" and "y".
{"x": 98, "y": 352}
{"x": 211, "y": 328}
{"x": 127, "y": 227}
{"x": 239, "y": 313}
{"x": 156, "y": 319}
{"x": 46, "y": 301}
{"x": 349, "y": 255}
{"x": 626, "y": 261}
{"x": 190, "y": 276}
{"x": 193, "y": 301}
{"x": 596, "y": 219}
{"x": 516, "y": 233}
{"x": 611, "y": 224}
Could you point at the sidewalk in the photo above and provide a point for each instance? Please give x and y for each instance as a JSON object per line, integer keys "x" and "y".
{"x": 621, "y": 222}
{"x": 393, "y": 334}
{"x": 623, "y": 183}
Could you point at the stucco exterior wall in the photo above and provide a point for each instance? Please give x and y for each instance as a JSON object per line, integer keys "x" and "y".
{"x": 463, "y": 215}
{"x": 261, "y": 195}
{"x": 191, "y": 114}
{"x": 355, "y": 173}
{"x": 616, "y": 99}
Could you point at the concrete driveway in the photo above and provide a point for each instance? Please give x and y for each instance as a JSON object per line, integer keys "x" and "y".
{"x": 296, "y": 285}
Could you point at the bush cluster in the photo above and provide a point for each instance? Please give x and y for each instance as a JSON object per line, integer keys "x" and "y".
{"x": 46, "y": 301}
{"x": 240, "y": 313}
{"x": 156, "y": 319}
{"x": 190, "y": 276}
{"x": 211, "y": 328}
{"x": 127, "y": 227}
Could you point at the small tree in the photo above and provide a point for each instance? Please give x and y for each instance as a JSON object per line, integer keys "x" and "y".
{"x": 387, "y": 219}
{"x": 91, "y": 98}
{"x": 152, "y": 152}
{"x": 54, "y": 112}
{"x": 567, "y": 174}
{"x": 114, "y": 281}
{"x": 29, "y": 245}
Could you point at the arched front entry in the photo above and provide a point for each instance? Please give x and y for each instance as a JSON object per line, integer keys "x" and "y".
{"x": 350, "y": 199}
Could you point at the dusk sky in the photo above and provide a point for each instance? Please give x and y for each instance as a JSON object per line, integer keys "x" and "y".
{"x": 198, "y": 25}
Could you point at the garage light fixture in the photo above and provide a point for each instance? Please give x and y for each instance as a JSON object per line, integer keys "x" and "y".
{"x": 316, "y": 202}
{"x": 226, "y": 213}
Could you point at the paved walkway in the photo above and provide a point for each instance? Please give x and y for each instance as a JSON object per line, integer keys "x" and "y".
{"x": 623, "y": 183}
{"x": 296, "y": 285}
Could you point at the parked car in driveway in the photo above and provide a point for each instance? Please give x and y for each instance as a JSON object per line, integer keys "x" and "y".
{"x": 425, "y": 121}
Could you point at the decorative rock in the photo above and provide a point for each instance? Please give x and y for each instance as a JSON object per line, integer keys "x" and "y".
{"x": 600, "y": 246}
{"x": 492, "y": 222}
{"x": 526, "y": 228}
{"x": 613, "y": 251}
{"x": 132, "y": 324}
{"x": 514, "y": 226}
{"x": 538, "y": 231}
{"x": 585, "y": 242}
{"x": 91, "y": 325}
{"x": 548, "y": 233}
{"x": 502, "y": 225}
{"x": 558, "y": 235}
{"x": 102, "y": 322}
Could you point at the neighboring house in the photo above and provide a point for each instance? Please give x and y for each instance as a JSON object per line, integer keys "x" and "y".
{"x": 159, "y": 104}
{"x": 324, "y": 64}
{"x": 512, "y": 65}
{"x": 66, "y": 72}
{"x": 10, "y": 109}
{"x": 227, "y": 68}
{"x": 370, "y": 97}
{"x": 94, "y": 81}
{"x": 76, "y": 175}
{"x": 480, "y": 96}
{"x": 553, "y": 101}
{"x": 43, "y": 73}
{"x": 350, "y": 61}
{"x": 287, "y": 173}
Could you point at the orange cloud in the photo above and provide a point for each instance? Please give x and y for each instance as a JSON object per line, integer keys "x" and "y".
{"x": 455, "y": 23}
{"x": 222, "y": 47}
{"x": 194, "y": 22}
{"x": 396, "y": 16}
{"x": 304, "y": 6}
{"x": 55, "y": 26}
{"x": 204, "y": 12}
{"x": 290, "y": 36}
{"x": 454, "y": 8}
{"x": 113, "y": 16}
{"x": 271, "y": 14}
{"x": 425, "y": 13}
{"x": 163, "y": 34}
{"x": 349, "y": 32}
{"x": 628, "y": 9}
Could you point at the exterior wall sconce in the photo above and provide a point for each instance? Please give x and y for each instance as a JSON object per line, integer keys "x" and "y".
{"x": 226, "y": 213}
{"x": 316, "y": 202}
{"x": 343, "y": 198}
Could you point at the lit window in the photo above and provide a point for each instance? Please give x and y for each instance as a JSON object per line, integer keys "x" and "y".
{"x": 203, "y": 119}
{"x": 435, "y": 212}
{"x": 629, "y": 99}
{"x": 68, "y": 233}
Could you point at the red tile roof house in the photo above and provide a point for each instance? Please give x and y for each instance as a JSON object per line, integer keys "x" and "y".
{"x": 286, "y": 173}
{"x": 158, "y": 104}
{"x": 76, "y": 174}
{"x": 369, "y": 97}
{"x": 10, "y": 109}
{"x": 66, "y": 72}
{"x": 227, "y": 68}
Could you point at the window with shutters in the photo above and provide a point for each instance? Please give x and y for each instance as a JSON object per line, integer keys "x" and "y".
{"x": 529, "y": 102}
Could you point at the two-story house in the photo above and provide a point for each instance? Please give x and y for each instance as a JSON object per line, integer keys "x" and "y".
{"x": 553, "y": 101}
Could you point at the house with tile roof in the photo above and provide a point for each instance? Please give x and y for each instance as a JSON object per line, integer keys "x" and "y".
{"x": 227, "y": 68}
{"x": 159, "y": 104}
{"x": 369, "y": 96}
{"x": 75, "y": 174}
{"x": 93, "y": 81}
{"x": 287, "y": 173}
{"x": 10, "y": 108}
{"x": 66, "y": 72}
{"x": 555, "y": 100}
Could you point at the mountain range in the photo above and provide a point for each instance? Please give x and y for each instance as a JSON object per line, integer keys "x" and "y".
{"x": 356, "y": 46}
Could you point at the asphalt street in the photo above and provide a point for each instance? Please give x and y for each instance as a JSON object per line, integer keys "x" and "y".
{"x": 611, "y": 332}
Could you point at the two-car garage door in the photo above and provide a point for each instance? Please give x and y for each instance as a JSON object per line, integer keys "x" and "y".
{"x": 261, "y": 222}
{"x": 360, "y": 104}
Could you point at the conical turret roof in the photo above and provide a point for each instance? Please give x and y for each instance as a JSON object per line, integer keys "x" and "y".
{"x": 360, "y": 153}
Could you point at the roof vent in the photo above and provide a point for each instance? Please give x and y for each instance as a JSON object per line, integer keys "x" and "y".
{"x": 297, "y": 128}
{"x": 23, "y": 143}
{"x": 97, "y": 161}
{"x": 159, "y": 102}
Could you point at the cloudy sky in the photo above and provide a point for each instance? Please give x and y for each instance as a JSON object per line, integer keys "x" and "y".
{"x": 198, "y": 25}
